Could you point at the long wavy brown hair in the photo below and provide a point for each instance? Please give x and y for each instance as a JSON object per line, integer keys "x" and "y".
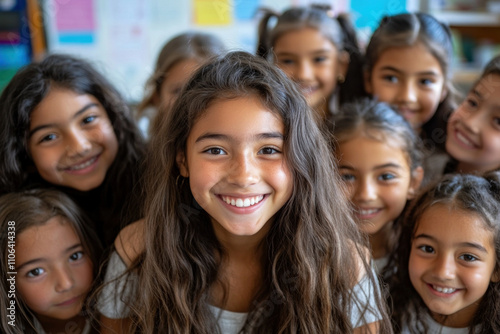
{"x": 310, "y": 251}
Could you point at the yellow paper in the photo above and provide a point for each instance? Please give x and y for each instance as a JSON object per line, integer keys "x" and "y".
{"x": 213, "y": 12}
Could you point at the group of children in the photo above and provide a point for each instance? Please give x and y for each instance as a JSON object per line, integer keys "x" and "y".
{"x": 301, "y": 189}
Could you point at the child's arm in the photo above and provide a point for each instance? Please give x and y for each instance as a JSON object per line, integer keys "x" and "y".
{"x": 129, "y": 245}
{"x": 365, "y": 292}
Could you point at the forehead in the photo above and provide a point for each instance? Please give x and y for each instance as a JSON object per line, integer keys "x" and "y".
{"x": 403, "y": 57}
{"x": 48, "y": 239}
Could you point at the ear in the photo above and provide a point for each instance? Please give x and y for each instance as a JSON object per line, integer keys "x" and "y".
{"x": 444, "y": 93}
{"x": 416, "y": 180}
{"x": 367, "y": 82}
{"x": 181, "y": 164}
{"x": 344, "y": 60}
{"x": 495, "y": 277}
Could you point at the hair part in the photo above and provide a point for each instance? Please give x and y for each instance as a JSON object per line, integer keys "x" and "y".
{"x": 26, "y": 210}
{"x": 479, "y": 195}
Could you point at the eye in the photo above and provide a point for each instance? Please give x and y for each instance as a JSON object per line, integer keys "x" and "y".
{"x": 426, "y": 249}
{"x": 76, "y": 256}
{"x": 471, "y": 103}
{"x": 49, "y": 137}
{"x": 496, "y": 122}
{"x": 426, "y": 82}
{"x": 387, "y": 177}
{"x": 390, "y": 78}
{"x": 319, "y": 59}
{"x": 285, "y": 61}
{"x": 348, "y": 177}
{"x": 35, "y": 272}
{"x": 89, "y": 119}
{"x": 468, "y": 258}
{"x": 269, "y": 150}
{"x": 215, "y": 151}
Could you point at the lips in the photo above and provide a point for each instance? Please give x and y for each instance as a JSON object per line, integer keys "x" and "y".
{"x": 464, "y": 140}
{"x": 70, "y": 301}
{"x": 367, "y": 213}
{"x": 242, "y": 202}
{"x": 82, "y": 165}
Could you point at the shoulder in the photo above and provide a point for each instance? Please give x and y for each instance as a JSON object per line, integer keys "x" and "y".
{"x": 130, "y": 242}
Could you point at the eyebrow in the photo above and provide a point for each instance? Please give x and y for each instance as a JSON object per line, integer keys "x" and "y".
{"x": 79, "y": 112}
{"x": 388, "y": 165}
{"x": 394, "y": 69}
{"x": 462, "y": 244}
{"x": 477, "y": 94}
{"x": 41, "y": 259}
{"x": 222, "y": 137}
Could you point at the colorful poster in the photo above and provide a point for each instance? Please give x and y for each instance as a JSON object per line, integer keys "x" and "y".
{"x": 75, "y": 21}
{"x": 213, "y": 12}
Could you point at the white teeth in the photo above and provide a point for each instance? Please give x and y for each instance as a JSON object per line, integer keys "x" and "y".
{"x": 83, "y": 165}
{"x": 464, "y": 140}
{"x": 242, "y": 203}
{"x": 443, "y": 290}
{"x": 367, "y": 212}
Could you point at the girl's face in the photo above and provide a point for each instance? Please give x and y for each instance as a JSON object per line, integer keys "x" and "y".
{"x": 175, "y": 78}
{"x": 54, "y": 274}
{"x": 452, "y": 262}
{"x": 236, "y": 167}
{"x": 311, "y": 60}
{"x": 378, "y": 178}
{"x": 473, "y": 133}
{"x": 71, "y": 140}
{"x": 411, "y": 79}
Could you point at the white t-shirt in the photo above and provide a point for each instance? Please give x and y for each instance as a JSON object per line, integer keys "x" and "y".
{"x": 436, "y": 328}
{"x": 111, "y": 305}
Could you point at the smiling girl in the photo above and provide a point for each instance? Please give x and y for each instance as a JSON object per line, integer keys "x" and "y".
{"x": 473, "y": 138}
{"x": 56, "y": 260}
{"x": 318, "y": 51}
{"x": 447, "y": 259}
{"x": 248, "y": 230}
{"x": 62, "y": 124}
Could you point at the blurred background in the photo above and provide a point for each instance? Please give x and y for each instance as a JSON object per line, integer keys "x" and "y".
{"x": 122, "y": 38}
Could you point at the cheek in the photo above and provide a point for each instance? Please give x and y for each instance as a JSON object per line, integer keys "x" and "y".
{"x": 33, "y": 295}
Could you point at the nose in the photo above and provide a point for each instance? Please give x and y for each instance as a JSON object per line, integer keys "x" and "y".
{"x": 305, "y": 71}
{"x": 77, "y": 142}
{"x": 444, "y": 267}
{"x": 408, "y": 92}
{"x": 63, "y": 279}
{"x": 243, "y": 170}
{"x": 366, "y": 190}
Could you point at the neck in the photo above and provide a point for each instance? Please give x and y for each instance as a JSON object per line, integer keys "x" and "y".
{"x": 379, "y": 241}
{"x": 73, "y": 325}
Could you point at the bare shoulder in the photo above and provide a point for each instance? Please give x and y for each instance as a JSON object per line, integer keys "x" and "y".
{"x": 361, "y": 253}
{"x": 130, "y": 241}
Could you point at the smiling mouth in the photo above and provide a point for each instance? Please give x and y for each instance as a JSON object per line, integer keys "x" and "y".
{"x": 242, "y": 202}
{"x": 443, "y": 290}
{"x": 83, "y": 164}
{"x": 464, "y": 140}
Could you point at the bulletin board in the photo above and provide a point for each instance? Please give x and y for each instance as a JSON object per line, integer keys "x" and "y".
{"x": 122, "y": 38}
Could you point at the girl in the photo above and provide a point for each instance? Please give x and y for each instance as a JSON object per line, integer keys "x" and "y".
{"x": 49, "y": 258}
{"x": 176, "y": 61}
{"x": 447, "y": 259}
{"x": 63, "y": 124}
{"x": 380, "y": 160}
{"x": 473, "y": 138}
{"x": 319, "y": 52}
{"x": 408, "y": 66}
{"x": 249, "y": 230}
